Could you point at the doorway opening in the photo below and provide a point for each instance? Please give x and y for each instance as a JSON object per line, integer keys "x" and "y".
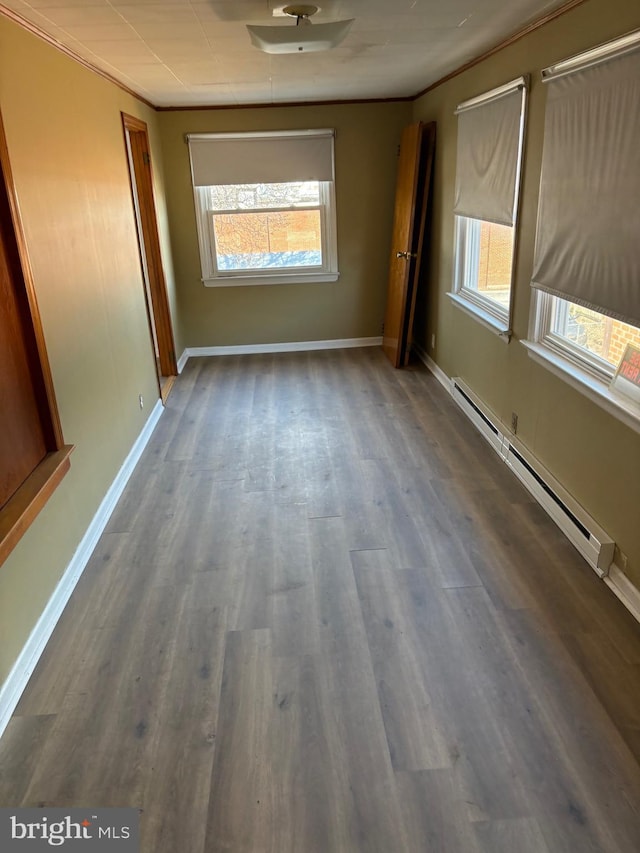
{"x": 155, "y": 288}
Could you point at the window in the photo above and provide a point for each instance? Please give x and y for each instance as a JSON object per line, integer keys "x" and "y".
{"x": 488, "y": 167}
{"x": 265, "y": 207}
{"x": 586, "y": 303}
{"x": 595, "y": 339}
{"x": 485, "y": 250}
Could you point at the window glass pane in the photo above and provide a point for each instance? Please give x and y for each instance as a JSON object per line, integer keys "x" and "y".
{"x": 593, "y": 332}
{"x": 260, "y": 196}
{"x": 272, "y": 239}
{"x": 489, "y": 254}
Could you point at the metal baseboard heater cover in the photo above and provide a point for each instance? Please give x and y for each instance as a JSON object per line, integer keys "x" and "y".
{"x": 582, "y": 531}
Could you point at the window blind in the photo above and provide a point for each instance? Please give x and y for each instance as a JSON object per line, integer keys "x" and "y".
{"x": 249, "y": 158}
{"x": 588, "y": 232}
{"x": 490, "y": 131}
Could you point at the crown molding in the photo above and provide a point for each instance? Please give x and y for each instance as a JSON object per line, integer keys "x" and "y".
{"x": 534, "y": 25}
{"x": 530, "y": 28}
{"x": 35, "y": 30}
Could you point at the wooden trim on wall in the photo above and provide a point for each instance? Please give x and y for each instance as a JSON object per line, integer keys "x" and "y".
{"x": 56, "y": 440}
{"x": 35, "y": 30}
{"x": 21, "y": 509}
{"x": 530, "y": 28}
{"x": 534, "y": 25}
{"x": 280, "y": 105}
{"x": 134, "y": 124}
{"x": 143, "y": 178}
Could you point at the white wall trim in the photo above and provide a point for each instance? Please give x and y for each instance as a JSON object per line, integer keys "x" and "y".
{"x": 290, "y": 346}
{"x": 17, "y": 680}
{"x": 628, "y": 594}
{"x": 438, "y": 372}
{"x": 184, "y": 358}
{"x": 616, "y": 580}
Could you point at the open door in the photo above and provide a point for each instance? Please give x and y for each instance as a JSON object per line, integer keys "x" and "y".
{"x": 412, "y": 196}
{"x": 137, "y": 143}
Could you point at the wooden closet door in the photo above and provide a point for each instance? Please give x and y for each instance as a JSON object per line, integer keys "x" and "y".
{"x": 22, "y": 440}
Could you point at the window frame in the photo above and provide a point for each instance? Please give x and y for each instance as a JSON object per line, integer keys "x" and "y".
{"x": 584, "y": 371}
{"x": 211, "y": 276}
{"x": 465, "y": 265}
{"x": 487, "y": 311}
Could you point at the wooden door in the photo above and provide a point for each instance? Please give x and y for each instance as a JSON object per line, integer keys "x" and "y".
{"x": 412, "y": 194}
{"x": 139, "y": 159}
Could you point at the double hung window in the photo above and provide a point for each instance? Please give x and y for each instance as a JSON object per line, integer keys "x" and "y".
{"x": 488, "y": 167}
{"x": 586, "y": 274}
{"x": 265, "y": 205}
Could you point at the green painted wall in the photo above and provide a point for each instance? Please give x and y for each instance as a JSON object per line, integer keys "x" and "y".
{"x": 592, "y": 454}
{"x": 66, "y": 147}
{"x": 367, "y": 137}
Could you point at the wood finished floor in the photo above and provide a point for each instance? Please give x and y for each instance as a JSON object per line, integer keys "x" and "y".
{"x": 325, "y": 618}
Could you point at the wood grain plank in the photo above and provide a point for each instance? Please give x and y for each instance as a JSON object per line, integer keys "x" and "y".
{"x": 417, "y": 737}
{"x": 505, "y": 836}
{"x": 241, "y": 809}
{"x": 436, "y": 816}
{"x": 20, "y": 754}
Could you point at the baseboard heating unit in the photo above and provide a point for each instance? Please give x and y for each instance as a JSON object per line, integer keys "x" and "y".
{"x": 588, "y": 537}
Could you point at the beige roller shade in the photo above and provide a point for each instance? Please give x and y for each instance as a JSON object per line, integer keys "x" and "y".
{"x": 261, "y": 158}
{"x": 489, "y": 154}
{"x": 588, "y": 232}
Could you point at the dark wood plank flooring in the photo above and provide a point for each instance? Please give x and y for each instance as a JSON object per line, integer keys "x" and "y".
{"x": 325, "y": 618}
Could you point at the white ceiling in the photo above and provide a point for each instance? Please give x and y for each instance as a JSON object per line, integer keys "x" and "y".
{"x": 191, "y": 52}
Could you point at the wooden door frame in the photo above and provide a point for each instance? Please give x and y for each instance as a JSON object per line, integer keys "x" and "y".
{"x": 19, "y": 512}
{"x": 141, "y": 180}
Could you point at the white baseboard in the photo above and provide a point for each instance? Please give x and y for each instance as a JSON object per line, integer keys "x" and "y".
{"x": 440, "y": 375}
{"x": 615, "y": 579}
{"x": 184, "y": 358}
{"x": 290, "y": 346}
{"x": 628, "y": 594}
{"x": 17, "y": 680}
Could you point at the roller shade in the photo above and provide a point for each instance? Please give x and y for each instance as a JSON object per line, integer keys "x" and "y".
{"x": 489, "y": 153}
{"x": 588, "y": 231}
{"x": 261, "y": 159}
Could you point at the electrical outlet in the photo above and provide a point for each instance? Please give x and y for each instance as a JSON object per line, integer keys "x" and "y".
{"x": 141, "y": 401}
{"x": 433, "y": 341}
{"x": 514, "y": 422}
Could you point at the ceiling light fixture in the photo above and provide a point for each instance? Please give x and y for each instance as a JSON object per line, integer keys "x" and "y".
{"x": 303, "y": 38}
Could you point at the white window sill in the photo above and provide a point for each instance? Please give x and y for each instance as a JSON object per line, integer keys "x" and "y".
{"x": 495, "y": 324}
{"x": 279, "y": 278}
{"x": 620, "y": 407}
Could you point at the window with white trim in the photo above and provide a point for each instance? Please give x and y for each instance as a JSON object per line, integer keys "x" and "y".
{"x": 586, "y": 276}
{"x": 265, "y": 205}
{"x": 488, "y": 169}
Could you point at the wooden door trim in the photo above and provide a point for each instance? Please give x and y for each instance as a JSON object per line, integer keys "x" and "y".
{"x": 47, "y": 397}
{"x": 149, "y": 224}
{"x": 19, "y": 512}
